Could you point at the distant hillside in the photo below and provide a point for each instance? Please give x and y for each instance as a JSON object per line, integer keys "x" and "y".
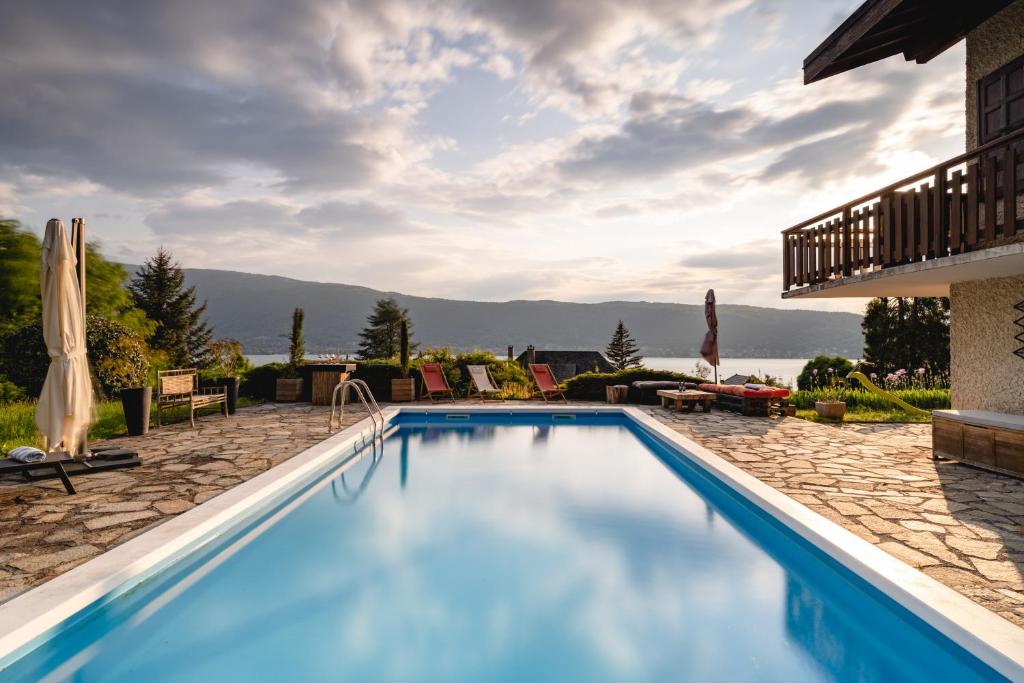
{"x": 256, "y": 310}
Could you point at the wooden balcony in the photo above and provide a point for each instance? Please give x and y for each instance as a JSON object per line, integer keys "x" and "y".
{"x": 961, "y": 207}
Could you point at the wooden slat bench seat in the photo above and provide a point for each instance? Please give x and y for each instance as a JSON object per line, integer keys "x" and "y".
{"x": 994, "y": 441}
{"x": 181, "y": 388}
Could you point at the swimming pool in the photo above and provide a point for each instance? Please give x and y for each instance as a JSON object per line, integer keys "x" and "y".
{"x": 499, "y": 545}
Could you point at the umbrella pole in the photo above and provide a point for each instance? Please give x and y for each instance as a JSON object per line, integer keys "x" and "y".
{"x": 78, "y": 243}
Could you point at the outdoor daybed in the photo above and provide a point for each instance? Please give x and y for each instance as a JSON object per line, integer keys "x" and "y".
{"x": 747, "y": 401}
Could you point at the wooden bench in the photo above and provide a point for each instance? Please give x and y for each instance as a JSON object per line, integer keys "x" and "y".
{"x": 181, "y": 388}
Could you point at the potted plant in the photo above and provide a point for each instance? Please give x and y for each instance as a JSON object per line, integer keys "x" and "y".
{"x": 228, "y": 363}
{"x": 404, "y": 389}
{"x": 289, "y": 384}
{"x": 832, "y": 404}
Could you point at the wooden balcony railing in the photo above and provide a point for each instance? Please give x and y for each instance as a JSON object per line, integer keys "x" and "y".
{"x": 966, "y": 204}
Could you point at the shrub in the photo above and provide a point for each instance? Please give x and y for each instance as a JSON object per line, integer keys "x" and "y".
{"x": 9, "y": 391}
{"x": 117, "y": 357}
{"x": 261, "y": 382}
{"x": 590, "y": 385}
{"x": 820, "y": 369}
{"x": 227, "y": 359}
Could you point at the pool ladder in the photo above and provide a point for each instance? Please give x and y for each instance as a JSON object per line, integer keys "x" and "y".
{"x": 362, "y": 391}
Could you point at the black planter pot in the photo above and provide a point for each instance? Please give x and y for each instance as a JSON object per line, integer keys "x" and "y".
{"x": 231, "y": 384}
{"x": 136, "y": 403}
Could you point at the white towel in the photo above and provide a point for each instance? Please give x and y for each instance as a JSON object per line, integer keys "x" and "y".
{"x": 27, "y": 454}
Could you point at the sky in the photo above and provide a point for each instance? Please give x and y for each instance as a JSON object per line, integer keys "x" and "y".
{"x": 586, "y": 150}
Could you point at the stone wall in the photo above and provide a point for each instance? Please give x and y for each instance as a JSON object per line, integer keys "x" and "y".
{"x": 986, "y": 374}
{"x": 995, "y": 43}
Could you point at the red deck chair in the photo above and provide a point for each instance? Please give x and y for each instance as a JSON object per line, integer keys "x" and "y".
{"x": 546, "y": 382}
{"x": 434, "y": 382}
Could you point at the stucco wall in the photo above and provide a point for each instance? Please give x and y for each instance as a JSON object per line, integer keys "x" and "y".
{"x": 996, "y": 42}
{"x": 986, "y": 374}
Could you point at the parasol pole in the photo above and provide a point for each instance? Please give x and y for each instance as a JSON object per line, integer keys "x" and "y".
{"x": 78, "y": 244}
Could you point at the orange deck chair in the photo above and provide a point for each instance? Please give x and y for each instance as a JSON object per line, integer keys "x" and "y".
{"x": 546, "y": 382}
{"x": 434, "y": 382}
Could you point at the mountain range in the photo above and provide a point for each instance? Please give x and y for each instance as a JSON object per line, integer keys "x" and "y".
{"x": 256, "y": 310}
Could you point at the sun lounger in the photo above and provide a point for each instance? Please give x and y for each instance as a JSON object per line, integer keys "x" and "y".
{"x": 482, "y": 383}
{"x": 434, "y": 382}
{"x": 546, "y": 382}
{"x": 59, "y": 466}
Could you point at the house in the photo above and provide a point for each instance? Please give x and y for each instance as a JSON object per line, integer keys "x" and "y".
{"x": 956, "y": 229}
{"x": 566, "y": 364}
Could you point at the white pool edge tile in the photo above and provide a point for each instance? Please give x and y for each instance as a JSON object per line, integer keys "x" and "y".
{"x": 984, "y": 634}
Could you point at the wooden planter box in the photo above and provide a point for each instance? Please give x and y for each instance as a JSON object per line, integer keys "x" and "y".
{"x": 403, "y": 390}
{"x": 288, "y": 389}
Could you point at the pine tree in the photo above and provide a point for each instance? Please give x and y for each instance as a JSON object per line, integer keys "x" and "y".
{"x": 381, "y": 338}
{"x": 622, "y": 350}
{"x": 158, "y": 289}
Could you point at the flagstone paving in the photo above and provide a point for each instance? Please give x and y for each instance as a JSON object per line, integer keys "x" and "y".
{"x": 44, "y": 532}
{"x": 962, "y": 526}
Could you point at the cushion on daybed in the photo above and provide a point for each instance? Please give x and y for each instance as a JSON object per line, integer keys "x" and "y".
{"x": 743, "y": 392}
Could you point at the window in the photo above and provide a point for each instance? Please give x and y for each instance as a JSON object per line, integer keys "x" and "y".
{"x": 1001, "y": 101}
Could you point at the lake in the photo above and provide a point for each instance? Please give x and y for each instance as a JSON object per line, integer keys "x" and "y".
{"x": 784, "y": 368}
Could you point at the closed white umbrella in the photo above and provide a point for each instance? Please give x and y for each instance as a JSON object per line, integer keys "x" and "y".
{"x": 65, "y": 405}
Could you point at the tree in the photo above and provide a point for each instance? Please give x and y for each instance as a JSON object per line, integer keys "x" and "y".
{"x": 106, "y": 296}
{"x": 622, "y": 350}
{"x": 296, "y": 343}
{"x": 821, "y": 370}
{"x": 907, "y": 333}
{"x": 381, "y": 338}
{"x": 180, "y": 331}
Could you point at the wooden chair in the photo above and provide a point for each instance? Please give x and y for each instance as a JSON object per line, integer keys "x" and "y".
{"x": 546, "y": 382}
{"x": 181, "y": 388}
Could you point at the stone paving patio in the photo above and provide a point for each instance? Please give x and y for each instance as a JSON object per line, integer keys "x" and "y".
{"x": 962, "y": 526}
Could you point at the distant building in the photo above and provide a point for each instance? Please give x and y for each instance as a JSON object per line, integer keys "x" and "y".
{"x": 566, "y": 364}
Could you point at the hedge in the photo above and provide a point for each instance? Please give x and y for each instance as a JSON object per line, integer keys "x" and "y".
{"x": 261, "y": 382}
{"x": 117, "y": 357}
{"x": 590, "y": 385}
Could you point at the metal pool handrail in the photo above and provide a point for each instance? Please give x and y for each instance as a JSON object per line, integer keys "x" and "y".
{"x": 359, "y": 385}
{"x": 350, "y": 495}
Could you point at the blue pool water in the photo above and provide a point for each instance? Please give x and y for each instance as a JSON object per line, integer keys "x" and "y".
{"x": 506, "y": 549}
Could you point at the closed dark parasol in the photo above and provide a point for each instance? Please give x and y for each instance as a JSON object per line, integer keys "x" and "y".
{"x": 709, "y": 349}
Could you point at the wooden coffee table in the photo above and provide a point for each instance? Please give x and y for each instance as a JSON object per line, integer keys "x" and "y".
{"x": 687, "y": 399}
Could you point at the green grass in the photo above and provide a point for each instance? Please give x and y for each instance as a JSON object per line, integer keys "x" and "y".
{"x": 866, "y": 415}
{"x": 926, "y": 399}
{"x": 18, "y": 421}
